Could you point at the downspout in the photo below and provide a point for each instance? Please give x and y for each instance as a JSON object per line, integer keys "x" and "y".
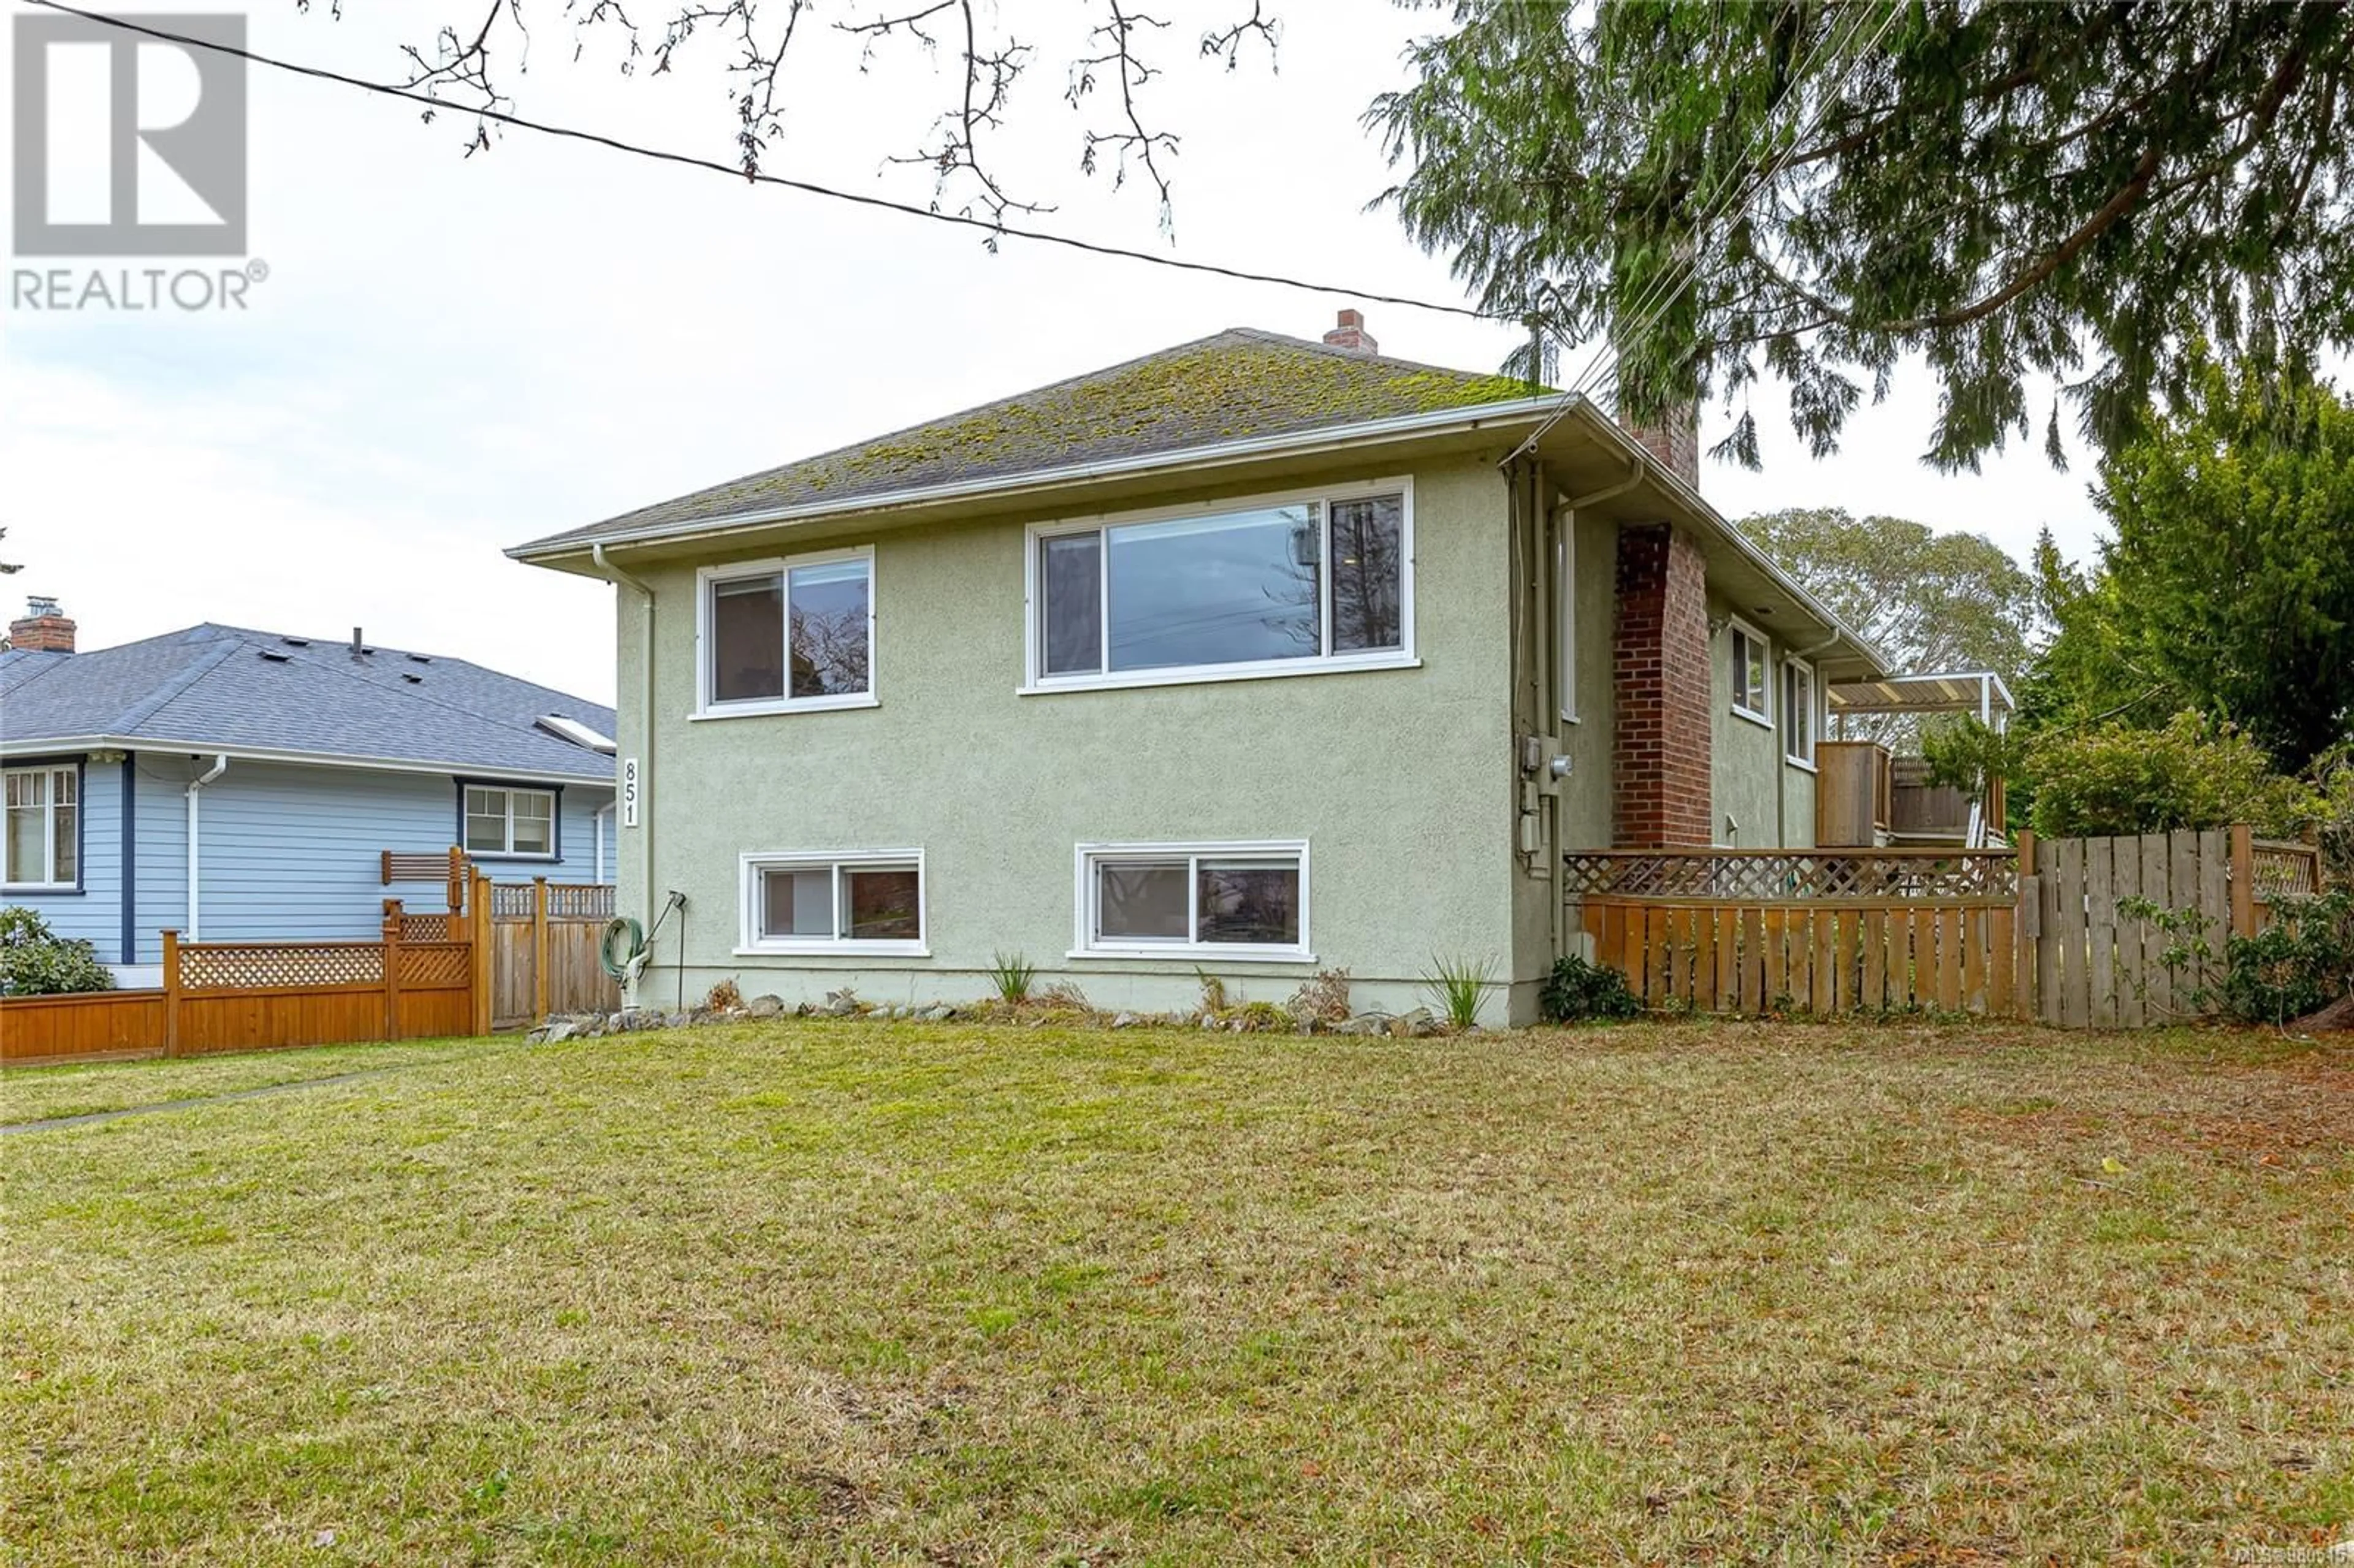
{"x": 195, "y": 788}
{"x": 645, "y": 829}
{"x": 1565, "y": 591}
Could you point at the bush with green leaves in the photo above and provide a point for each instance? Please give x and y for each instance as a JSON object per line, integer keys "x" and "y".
{"x": 2298, "y": 964}
{"x": 37, "y": 961}
{"x": 1581, "y": 993}
{"x": 2189, "y": 774}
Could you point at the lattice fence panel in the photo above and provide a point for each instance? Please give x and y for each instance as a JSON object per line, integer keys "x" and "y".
{"x": 444, "y": 964}
{"x": 2287, "y": 871}
{"x": 1795, "y": 874}
{"x": 581, "y": 900}
{"x": 272, "y": 965}
{"x": 424, "y": 927}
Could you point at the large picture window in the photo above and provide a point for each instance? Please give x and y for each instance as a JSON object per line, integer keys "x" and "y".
{"x": 867, "y": 902}
{"x": 507, "y": 822}
{"x": 797, "y": 633}
{"x": 1280, "y": 587}
{"x": 43, "y": 843}
{"x": 1230, "y": 900}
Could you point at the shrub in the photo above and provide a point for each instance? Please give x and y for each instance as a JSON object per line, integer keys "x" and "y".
{"x": 37, "y": 961}
{"x": 1012, "y": 975}
{"x": 1459, "y": 986}
{"x": 723, "y": 996}
{"x": 1580, "y": 992}
{"x": 1323, "y": 999}
{"x": 2298, "y": 964}
{"x": 2189, "y": 774}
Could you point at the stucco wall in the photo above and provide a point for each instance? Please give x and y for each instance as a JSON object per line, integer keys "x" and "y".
{"x": 1400, "y": 780}
{"x": 1771, "y": 798}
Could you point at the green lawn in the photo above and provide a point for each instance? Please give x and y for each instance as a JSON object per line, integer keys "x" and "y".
{"x": 35, "y": 1094}
{"x": 810, "y": 1292}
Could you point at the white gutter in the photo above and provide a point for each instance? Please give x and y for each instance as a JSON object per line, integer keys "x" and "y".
{"x": 44, "y": 746}
{"x": 1438, "y": 422}
{"x": 195, "y": 788}
{"x": 645, "y": 829}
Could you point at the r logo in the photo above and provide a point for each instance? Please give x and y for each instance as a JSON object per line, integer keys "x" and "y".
{"x": 126, "y": 145}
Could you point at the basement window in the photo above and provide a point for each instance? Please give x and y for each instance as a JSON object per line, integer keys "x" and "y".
{"x": 865, "y": 902}
{"x": 1228, "y": 901}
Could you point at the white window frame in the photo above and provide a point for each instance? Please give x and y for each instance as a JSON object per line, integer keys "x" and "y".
{"x": 1036, "y": 682}
{"x": 750, "y": 943}
{"x": 1564, "y": 597}
{"x": 1794, "y": 667}
{"x": 49, "y": 882}
{"x": 706, "y": 578}
{"x": 1084, "y": 943}
{"x": 1760, "y": 715}
{"x": 554, "y": 831}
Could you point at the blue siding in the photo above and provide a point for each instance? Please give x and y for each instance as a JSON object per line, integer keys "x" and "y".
{"x": 292, "y": 852}
{"x": 161, "y": 802}
{"x": 93, "y": 915}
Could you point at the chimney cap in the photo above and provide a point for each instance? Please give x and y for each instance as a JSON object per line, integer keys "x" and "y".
{"x": 39, "y": 604}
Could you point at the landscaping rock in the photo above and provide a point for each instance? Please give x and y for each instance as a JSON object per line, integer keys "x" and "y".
{"x": 840, "y": 1004}
{"x": 556, "y": 1032}
{"x": 766, "y": 1006}
{"x": 1371, "y": 1022}
{"x": 1413, "y": 1025}
{"x": 939, "y": 1013}
{"x": 1124, "y": 1021}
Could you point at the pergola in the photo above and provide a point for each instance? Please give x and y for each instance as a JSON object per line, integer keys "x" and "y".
{"x": 1976, "y": 691}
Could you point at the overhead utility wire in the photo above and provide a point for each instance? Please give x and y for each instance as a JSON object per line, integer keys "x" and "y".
{"x": 807, "y": 187}
{"x": 1766, "y": 176}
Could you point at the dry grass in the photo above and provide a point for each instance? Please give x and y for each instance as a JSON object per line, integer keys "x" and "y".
{"x": 36, "y": 1093}
{"x": 816, "y": 1292}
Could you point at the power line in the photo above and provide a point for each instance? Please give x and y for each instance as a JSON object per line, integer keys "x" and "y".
{"x": 614, "y": 143}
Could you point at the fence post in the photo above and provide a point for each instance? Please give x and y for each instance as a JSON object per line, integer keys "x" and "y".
{"x": 2244, "y": 879}
{"x": 391, "y": 935}
{"x": 457, "y": 894}
{"x": 2026, "y": 924}
{"x": 478, "y": 897}
{"x": 539, "y": 949}
{"x": 171, "y": 993}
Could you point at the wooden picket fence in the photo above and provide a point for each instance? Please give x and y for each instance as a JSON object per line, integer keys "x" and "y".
{"x": 2034, "y": 932}
{"x": 255, "y": 996}
{"x": 544, "y": 950}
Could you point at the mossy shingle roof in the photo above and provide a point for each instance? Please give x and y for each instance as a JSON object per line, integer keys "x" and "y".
{"x": 1238, "y": 385}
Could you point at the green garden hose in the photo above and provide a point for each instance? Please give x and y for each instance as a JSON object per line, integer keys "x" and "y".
{"x": 633, "y": 939}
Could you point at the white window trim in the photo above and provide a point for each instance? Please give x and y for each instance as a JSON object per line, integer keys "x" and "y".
{"x": 555, "y": 805}
{"x": 1036, "y": 683}
{"x": 780, "y": 566}
{"x": 49, "y": 772}
{"x": 1763, "y": 715}
{"x": 1565, "y": 607}
{"x": 751, "y": 944}
{"x": 1813, "y": 715}
{"x": 1083, "y": 943}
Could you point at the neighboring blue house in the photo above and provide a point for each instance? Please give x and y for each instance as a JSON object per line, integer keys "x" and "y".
{"x": 241, "y": 785}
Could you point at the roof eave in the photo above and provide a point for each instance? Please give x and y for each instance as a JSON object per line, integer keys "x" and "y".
{"x": 44, "y": 746}
{"x": 1327, "y": 437}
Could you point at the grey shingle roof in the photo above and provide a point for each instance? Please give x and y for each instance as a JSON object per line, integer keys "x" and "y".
{"x": 223, "y": 686}
{"x": 1240, "y": 383}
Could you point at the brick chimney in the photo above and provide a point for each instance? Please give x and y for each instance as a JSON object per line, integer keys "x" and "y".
{"x": 1660, "y": 677}
{"x": 1674, "y": 439}
{"x": 42, "y": 629}
{"x": 1352, "y": 334}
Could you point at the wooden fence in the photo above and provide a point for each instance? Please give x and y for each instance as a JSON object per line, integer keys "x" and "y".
{"x": 543, "y": 942}
{"x": 2031, "y": 933}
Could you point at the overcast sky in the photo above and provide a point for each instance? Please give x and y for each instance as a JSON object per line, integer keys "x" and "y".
{"x": 453, "y": 355}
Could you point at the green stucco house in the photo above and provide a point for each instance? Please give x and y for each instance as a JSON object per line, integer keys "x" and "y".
{"x": 1254, "y": 656}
